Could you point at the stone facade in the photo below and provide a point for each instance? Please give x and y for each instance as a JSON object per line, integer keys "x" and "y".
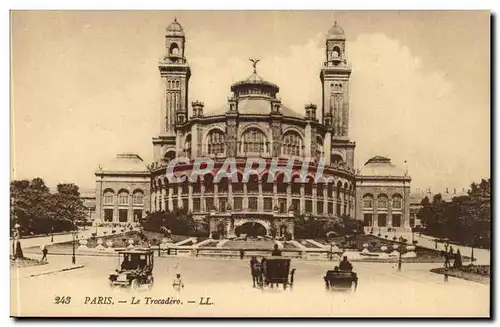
{"x": 383, "y": 195}
{"x": 253, "y": 123}
{"x": 123, "y": 190}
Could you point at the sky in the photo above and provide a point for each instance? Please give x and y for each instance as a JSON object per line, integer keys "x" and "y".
{"x": 85, "y": 84}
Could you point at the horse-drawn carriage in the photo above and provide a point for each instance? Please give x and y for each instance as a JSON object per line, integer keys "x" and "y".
{"x": 341, "y": 280}
{"x": 136, "y": 269}
{"x": 272, "y": 271}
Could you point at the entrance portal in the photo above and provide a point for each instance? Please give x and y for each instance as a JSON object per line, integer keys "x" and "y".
{"x": 252, "y": 229}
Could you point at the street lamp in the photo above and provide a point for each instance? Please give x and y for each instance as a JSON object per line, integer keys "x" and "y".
{"x": 75, "y": 236}
{"x": 472, "y": 248}
{"x": 400, "y": 262}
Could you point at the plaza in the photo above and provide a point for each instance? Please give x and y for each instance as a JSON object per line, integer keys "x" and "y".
{"x": 382, "y": 291}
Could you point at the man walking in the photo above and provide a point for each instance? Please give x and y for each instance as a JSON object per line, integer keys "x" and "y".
{"x": 44, "y": 253}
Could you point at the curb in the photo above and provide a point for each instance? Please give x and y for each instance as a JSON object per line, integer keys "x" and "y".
{"x": 56, "y": 271}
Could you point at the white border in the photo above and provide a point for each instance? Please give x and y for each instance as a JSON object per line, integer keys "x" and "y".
{"x": 493, "y": 5}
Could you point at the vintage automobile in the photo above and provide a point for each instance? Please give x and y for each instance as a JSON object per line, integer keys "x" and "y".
{"x": 136, "y": 269}
{"x": 273, "y": 271}
{"x": 341, "y": 280}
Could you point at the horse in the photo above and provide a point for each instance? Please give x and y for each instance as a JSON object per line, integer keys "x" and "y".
{"x": 256, "y": 273}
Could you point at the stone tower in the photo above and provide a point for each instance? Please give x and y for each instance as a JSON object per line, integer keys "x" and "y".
{"x": 335, "y": 75}
{"x": 175, "y": 73}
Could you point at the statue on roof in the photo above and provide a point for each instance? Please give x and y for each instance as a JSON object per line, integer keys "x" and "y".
{"x": 254, "y": 64}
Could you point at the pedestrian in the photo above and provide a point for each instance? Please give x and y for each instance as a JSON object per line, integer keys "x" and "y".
{"x": 178, "y": 284}
{"x": 458, "y": 260}
{"x": 446, "y": 260}
{"x": 276, "y": 252}
{"x": 44, "y": 253}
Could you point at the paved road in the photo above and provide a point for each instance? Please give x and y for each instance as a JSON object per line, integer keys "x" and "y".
{"x": 481, "y": 255}
{"x": 383, "y": 291}
{"x": 43, "y": 240}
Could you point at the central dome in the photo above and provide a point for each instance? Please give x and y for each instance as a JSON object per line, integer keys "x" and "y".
{"x": 254, "y": 85}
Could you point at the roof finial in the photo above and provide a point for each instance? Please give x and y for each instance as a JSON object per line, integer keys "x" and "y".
{"x": 175, "y": 19}
{"x": 254, "y": 64}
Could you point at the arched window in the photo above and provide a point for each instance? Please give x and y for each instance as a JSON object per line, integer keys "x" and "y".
{"x": 215, "y": 142}
{"x": 123, "y": 198}
{"x": 254, "y": 141}
{"x": 337, "y": 158}
{"x": 138, "y": 197}
{"x": 223, "y": 185}
{"x": 197, "y": 185}
{"x": 169, "y": 155}
{"x": 296, "y": 184}
{"x": 176, "y": 101}
{"x": 253, "y": 184}
{"x": 397, "y": 201}
{"x": 109, "y": 196}
{"x": 339, "y": 188}
{"x": 208, "y": 181}
{"x": 282, "y": 183}
{"x": 187, "y": 146}
{"x": 308, "y": 188}
{"x": 174, "y": 49}
{"x": 177, "y": 85}
{"x": 330, "y": 189}
{"x": 267, "y": 187}
{"x": 237, "y": 186}
{"x": 170, "y": 101}
{"x": 185, "y": 186}
{"x": 368, "y": 201}
{"x": 382, "y": 201}
{"x": 336, "y": 52}
{"x": 319, "y": 189}
{"x": 292, "y": 143}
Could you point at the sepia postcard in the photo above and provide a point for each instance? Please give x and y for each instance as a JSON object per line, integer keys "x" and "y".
{"x": 250, "y": 164}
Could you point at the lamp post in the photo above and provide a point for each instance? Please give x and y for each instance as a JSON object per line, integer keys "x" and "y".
{"x": 75, "y": 236}
{"x": 399, "y": 261}
{"x": 17, "y": 236}
{"x": 472, "y": 248}
{"x": 74, "y": 233}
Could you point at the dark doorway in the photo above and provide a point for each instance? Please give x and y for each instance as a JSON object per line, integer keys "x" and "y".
{"x": 252, "y": 229}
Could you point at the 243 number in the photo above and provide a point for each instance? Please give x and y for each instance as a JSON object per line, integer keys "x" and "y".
{"x": 62, "y": 300}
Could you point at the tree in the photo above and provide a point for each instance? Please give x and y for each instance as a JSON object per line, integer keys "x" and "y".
{"x": 31, "y": 205}
{"x": 179, "y": 222}
{"x": 38, "y": 211}
{"x": 68, "y": 205}
{"x": 466, "y": 219}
